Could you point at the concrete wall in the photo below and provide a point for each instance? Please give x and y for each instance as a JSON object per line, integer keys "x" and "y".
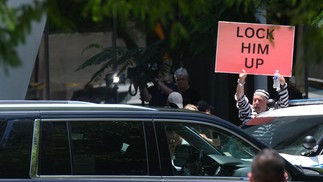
{"x": 14, "y": 83}
{"x": 65, "y": 56}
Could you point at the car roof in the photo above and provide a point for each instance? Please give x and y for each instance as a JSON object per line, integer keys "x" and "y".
{"x": 303, "y": 110}
{"x": 65, "y": 105}
{"x": 44, "y": 105}
{"x": 311, "y": 101}
{"x": 42, "y": 102}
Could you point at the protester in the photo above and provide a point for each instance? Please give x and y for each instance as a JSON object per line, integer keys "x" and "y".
{"x": 260, "y": 98}
{"x": 175, "y": 100}
{"x": 267, "y": 166}
{"x": 190, "y": 95}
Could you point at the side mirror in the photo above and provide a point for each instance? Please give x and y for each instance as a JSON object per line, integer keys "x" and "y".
{"x": 309, "y": 142}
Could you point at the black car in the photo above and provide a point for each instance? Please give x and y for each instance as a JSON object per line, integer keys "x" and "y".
{"x": 72, "y": 141}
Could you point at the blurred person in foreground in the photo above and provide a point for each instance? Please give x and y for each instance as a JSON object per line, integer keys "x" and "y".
{"x": 190, "y": 95}
{"x": 267, "y": 166}
{"x": 248, "y": 111}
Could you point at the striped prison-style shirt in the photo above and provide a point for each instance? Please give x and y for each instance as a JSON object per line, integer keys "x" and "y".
{"x": 246, "y": 110}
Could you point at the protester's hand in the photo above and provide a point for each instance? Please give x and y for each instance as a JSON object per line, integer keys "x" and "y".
{"x": 282, "y": 80}
{"x": 242, "y": 76}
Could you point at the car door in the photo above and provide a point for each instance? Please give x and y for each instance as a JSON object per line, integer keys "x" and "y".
{"x": 205, "y": 152}
{"x": 96, "y": 149}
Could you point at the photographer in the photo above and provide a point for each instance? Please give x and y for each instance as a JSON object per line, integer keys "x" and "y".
{"x": 157, "y": 94}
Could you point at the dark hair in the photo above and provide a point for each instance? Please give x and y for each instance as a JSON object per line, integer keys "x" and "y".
{"x": 268, "y": 166}
{"x": 203, "y": 106}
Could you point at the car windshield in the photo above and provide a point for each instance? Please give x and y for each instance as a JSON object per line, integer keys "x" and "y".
{"x": 285, "y": 134}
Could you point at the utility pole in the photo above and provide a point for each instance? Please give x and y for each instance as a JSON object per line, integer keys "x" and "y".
{"x": 261, "y": 81}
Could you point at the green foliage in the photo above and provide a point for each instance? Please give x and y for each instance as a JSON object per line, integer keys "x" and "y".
{"x": 313, "y": 49}
{"x": 318, "y": 21}
{"x": 190, "y": 28}
{"x": 168, "y": 12}
{"x": 15, "y": 25}
{"x": 120, "y": 59}
{"x": 302, "y": 14}
{"x": 189, "y": 25}
{"x": 282, "y": 12}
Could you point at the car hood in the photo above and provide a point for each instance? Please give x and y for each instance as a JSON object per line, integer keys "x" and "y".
{"x": 312, "y": 162}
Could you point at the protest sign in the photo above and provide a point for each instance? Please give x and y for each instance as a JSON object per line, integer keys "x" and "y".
{"x": 259, "y": 49}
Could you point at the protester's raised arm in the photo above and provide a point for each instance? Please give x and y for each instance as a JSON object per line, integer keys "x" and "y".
{"x": 240, "y": 85}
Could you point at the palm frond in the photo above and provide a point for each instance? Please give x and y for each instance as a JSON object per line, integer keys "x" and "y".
{"x": 129, "y": 56}
{"x": 98, "y": 74}
{"x": 127, "y": 64}
{"x": 108, "y": 67}
{"x": 119, "y": 59}
{"x": 94, "y": 45}
{"x": 106, "y": 54}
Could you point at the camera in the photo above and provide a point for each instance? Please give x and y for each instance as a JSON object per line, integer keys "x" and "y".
{"x": 138, "y": 71}
{"x": 141, "y": 75}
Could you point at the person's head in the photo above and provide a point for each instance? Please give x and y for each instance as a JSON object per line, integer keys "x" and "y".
{"x": 181, "y": 78}
{"x": 259, "y": 102}
{"x": 267, "y": 166}
{"x": 175, "y": 100}
{"x": 190, "y": 107}
{"x": 173, "y": 140}
{"x": 203, "y": 106}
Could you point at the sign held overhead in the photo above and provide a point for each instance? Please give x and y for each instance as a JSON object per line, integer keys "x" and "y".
{"x": 259, "y": 49}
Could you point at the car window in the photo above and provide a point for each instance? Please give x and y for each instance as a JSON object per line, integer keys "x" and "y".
{"x": 97, "y": 148}
{"x": 15, "y": 148}
{"x": 203, "y": 150}
{"x": 274, "y": 133}
{"x": 54, "y": 154}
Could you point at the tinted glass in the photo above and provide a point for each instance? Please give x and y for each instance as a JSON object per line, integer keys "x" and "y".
{"x": 286, "y": 134}
{"x": 54, "y": 153}
{"x": 108, "y": 148}
{"x": 97, "y": 148}
{"x": 202, "y": 150}
{"x": 15, "y": 148}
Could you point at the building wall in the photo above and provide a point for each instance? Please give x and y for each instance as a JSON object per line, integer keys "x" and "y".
{"x": 65, "y": 56}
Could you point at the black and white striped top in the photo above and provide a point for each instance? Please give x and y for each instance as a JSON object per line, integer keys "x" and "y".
{"x": 246, "y": 110}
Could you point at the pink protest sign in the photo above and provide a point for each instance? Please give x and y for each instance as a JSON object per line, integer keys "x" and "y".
{"x": 259, "y": 49}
